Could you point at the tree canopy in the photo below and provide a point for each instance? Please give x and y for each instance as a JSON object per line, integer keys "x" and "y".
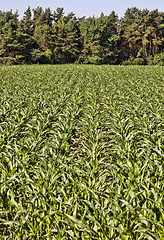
{"x": 46, "y": 36}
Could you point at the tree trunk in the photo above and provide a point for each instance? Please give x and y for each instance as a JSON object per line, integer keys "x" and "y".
{"x": 150, "y": 47}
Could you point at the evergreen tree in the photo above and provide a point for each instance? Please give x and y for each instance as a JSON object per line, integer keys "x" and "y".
{"x": 25, "y": 42}
{"x": 109, "y": 38}
{"x": 90, "y": 33}
{"x": 38, "y": 17}
{"x": 24, "y": 38}
{"x": 48, "y": 17}
{"x": 55, "y": 38}
{"x": 157, "y": 39}
{"x": 100, "y": 39}
{"x": 66, "y": 43}
{"x": 129, "y": 31}
{"x": 9, "y": 24}
{"x": 161, "y": 31}
{"x": 58, "y": 14}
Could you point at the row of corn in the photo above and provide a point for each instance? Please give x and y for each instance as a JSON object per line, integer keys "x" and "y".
{"x": 81, "y": 152}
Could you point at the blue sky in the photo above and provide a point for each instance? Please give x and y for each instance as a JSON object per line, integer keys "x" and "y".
{"x": 84, "y": 7}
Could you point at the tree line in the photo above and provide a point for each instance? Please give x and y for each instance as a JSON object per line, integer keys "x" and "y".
{"x": 43, "y": 36}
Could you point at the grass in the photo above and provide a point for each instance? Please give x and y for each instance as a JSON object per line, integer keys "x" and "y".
{"x": 81, "y": 152}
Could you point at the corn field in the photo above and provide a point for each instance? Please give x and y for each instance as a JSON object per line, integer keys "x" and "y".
{"x": 81, "y": 152}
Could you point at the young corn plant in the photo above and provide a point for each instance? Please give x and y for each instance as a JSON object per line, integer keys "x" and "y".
{"x": 81, "y": 152}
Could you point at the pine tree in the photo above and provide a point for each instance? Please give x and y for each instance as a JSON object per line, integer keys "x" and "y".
{"x": 66, "y": 43}
{"x": 24, "y": 38}
{"x": 109, "y": 38}
{"x": 129, "y": 31}
{"x": 90, "y": 33}
{"x": 58, "y": 14}
{"x": 48, "y": 17}
{"x": 38, "y": 18}
{"x": 9, "y": 26}
{"x": 157, "y": 39}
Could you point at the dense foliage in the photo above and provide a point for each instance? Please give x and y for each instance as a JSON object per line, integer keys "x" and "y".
{"x": 81, "y": 152}
{"x": 43, "y": 36}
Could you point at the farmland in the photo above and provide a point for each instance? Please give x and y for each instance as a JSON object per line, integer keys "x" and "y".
{"x": 81, "y": 152}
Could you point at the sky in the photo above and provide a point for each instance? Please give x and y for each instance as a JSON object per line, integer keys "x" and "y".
{"x": 82, "y": 8}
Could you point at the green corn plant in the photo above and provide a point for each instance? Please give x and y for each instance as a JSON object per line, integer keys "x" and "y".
{"x": 81, "y": 152}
